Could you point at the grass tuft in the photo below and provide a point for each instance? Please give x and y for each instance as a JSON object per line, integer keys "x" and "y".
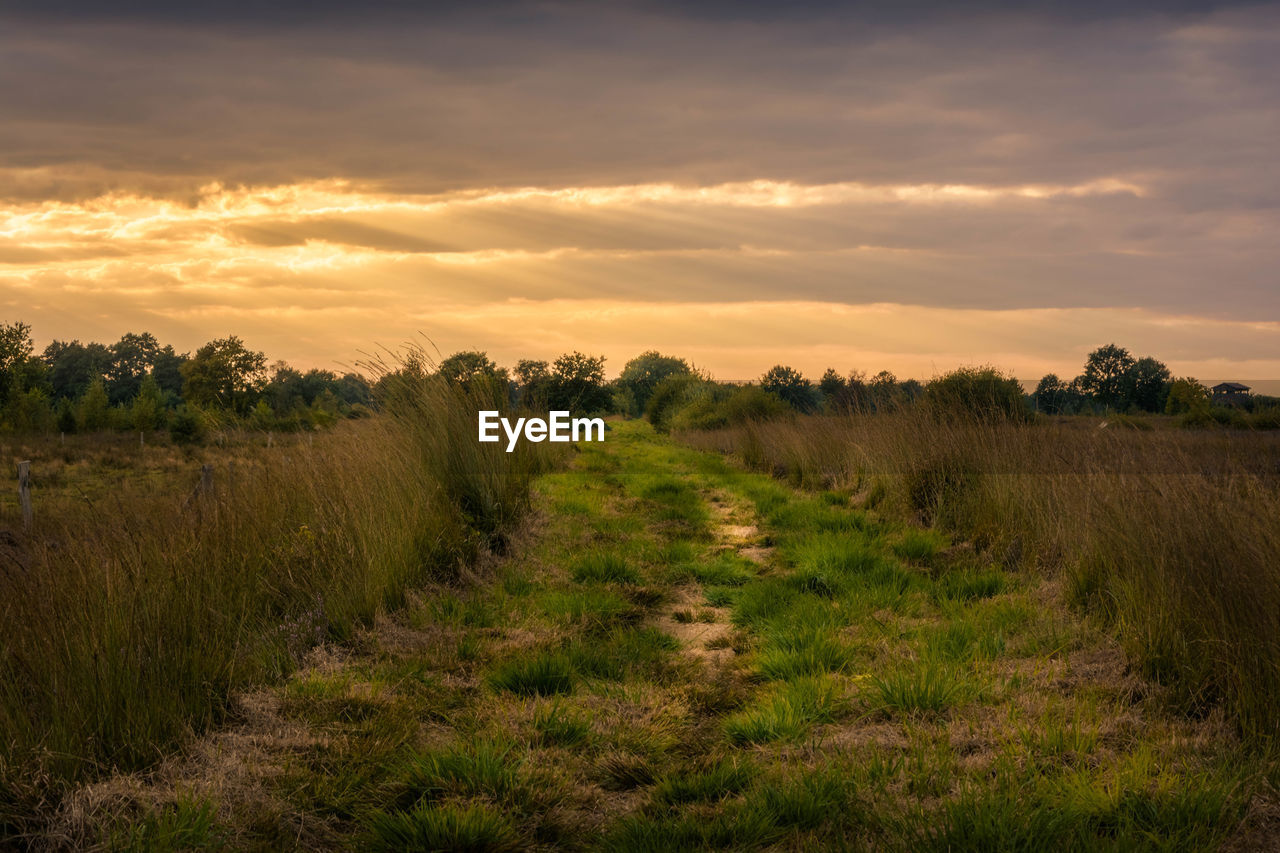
{"x": 604, "y": 567}
{"x": 544, "y": 673}
{"x": 475, "y": 829}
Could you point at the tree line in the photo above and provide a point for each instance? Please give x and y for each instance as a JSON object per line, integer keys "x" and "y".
{"x": 138, "y": 384}
{"x": 135, "y": 383}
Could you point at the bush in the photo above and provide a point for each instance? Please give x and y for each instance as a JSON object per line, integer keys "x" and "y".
{"x": 715, "y": 406}
{"x": 753, "y": 404}
{"x": 980, "y": 394}
{"x": 668, "y": 397}
{"x": 187, "y": 426}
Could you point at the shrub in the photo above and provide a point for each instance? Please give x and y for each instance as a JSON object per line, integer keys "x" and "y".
{"x": 187, "y": 426}
{"x": 667, "y": 398}
{"x": 978, "y": 394}
{"x": 791, "y": 387}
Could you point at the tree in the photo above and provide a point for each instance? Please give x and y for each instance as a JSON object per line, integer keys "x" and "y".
{"x": 166, "y": 367}
{"x": 577, "y": 384}
{"x": 1050, "y": 395}
{"x": 284, "y": 391}
{"x": 94, "y": 412}
{"x": 131, "y": 360}
{"x": 72, "y": 366}
{"x": 1106, "y": 376}
{"x": 791, "y": 387}
{"x": 643, "y": 373}
{"x": 224, "y": 373}
{"x": 462, "y": 368}
{"x": 835, "y": 390}
{"x": 148, "y": 409}
{"x": 30, "y": 411}
{"x": 859, "y": 392}
{"x": 1147, "y": 384}
{"x": 533, "y": 381}
{"x": 1186, "y": 396}
{"x": 15, "y": 351}
{"x": 883, "y": 391}
{"x": 353, "y": 390}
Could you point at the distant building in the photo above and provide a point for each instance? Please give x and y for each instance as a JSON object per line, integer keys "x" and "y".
{"x": 1230, "y": 394}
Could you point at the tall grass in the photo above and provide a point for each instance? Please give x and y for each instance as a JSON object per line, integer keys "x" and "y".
{"x": 1171, "y": 535}
{"x": 129, "y": 620}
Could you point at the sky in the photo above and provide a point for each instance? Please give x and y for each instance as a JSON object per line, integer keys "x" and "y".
{"x": 903, "y": 186}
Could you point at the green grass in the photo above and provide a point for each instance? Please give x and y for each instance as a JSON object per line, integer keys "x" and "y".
{"x": 928, "y": 689}
{"x": 808, "y": 800}
{"x": 187, "y": 824}
{"x": 803, "y": 648}
{"x": 876, "y": 688}
{"x": 545, "y": 673}
{"x": 603, "y": 567}
{"x": 592, "y": 609}
{"x": 787, "y": 713}
{"x": 557, "y": 725}
{"x": 970, "y": 585}
{"x": 474, "y": 829}
{"x": 919, "y": 546}
{"x": 487, "y": 770}
{"x": 721, "y": 779}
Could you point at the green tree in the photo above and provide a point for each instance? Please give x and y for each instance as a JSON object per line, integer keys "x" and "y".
{"x": 789, "y": 385}
{"x": 577, "y": 384}
{"x": 167, "y": 370}
{"x": 883, "y": 391}
{"x": 224, "y": 374}
{"x": 643, "y": 373}
{"x": 30, "y": 411}
{"x": 462, "y": 368}
{"x": 148, "y": 408}
{"x": 15, "y": 353}
{"x": 858, "y": 391}
{"x": 1050, "y": 395}
{"x": 1147, "y": 384}
{"x": 132, "y": 358}
{"x": 72, "y": 366}
{"x": 533, "y": 383}
{"x": 835, "y": 391}
{"x": 1106, "y": 376}
{"x": 66, "y": 416}
{"x": 93, "y": 412}
{"x": 1187, "y": 396}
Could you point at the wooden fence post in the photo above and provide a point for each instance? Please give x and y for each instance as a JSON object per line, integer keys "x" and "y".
{"x": 24, "y": 492}
{"x": 206, "y": 479}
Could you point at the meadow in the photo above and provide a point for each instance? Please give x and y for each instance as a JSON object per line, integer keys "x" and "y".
{"x": 140, "y": 602}
{"x": 669, "y": 650}
{"x": 1168, "y": 535}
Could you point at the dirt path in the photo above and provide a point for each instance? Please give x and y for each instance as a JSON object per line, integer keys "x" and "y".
{"x": 680, "y": 655}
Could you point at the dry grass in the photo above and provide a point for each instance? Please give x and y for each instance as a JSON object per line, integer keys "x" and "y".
{"x": 1170, "y": 534}
{"x": 133, "y": 611}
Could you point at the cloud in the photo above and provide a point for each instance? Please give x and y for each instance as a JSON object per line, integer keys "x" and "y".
{"x": 327, "y": 176}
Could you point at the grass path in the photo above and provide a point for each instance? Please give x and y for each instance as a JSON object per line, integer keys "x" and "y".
{"x": 682, "y": 655}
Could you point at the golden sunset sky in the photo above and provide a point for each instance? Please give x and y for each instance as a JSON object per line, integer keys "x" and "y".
{"x": 861, "y": 187}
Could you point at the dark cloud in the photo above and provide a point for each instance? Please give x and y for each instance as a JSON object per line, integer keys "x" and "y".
{"x": 161, "y": 98}
{"x": 293, "y": 12}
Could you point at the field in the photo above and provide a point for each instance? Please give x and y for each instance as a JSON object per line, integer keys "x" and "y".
{"x": 672, "y": 652}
